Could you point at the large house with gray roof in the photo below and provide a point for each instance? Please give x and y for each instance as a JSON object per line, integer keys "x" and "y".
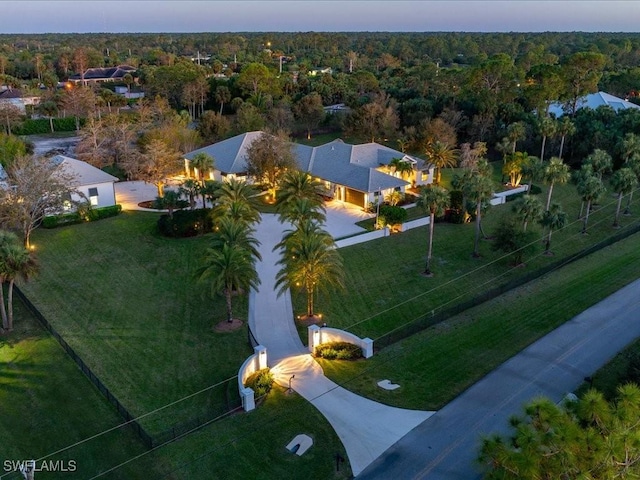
{"x": 357, "y": 174}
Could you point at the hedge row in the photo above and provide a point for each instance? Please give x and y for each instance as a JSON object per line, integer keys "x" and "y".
{"x": 38, "y": 126}
{"x": 73, "y": 218}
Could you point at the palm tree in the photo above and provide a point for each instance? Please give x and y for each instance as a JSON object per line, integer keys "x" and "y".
{"x": 553, "y": 219}
{"x": 528, "y": 209}
{"x": 515, "y": 166}
{"x": 238, "y": 210}
{"x": 311, "y": 261}
{"x": 302, "y": 209}
{"x": 515, "y": 132}
{"x": 600, "y": 161}
{"x": 433, "y": 200}
{"x": 202, "y": 163}
{"x": 547, "y": 127}
{"x": 633, "y": 162}
{"x": 16, "y": 261}
{"x": 230, "y": 231}
{"x": 210, "y": 190}
{"x": 296, "y": 185}
{"x": 590, "y": 189}
{"x": 401, "y": 166}
{"x": 236, "y": 189}
{"x": 228, "y": 269}
{"x": 478, "y": 187}
{"x": 441, "y": 155}
{"x": 7, "y": 239}
{"x": 623, "y": 182}
{"x": 170, "y": 201}
{"x": 190, "y": 188}
{"x": 394, "y": 198}
{"x": 555, "y": 172}
{"x": 566, "y": 128}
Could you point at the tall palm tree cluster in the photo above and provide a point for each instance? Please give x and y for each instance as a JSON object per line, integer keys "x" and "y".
{"x": 16, "y": 261}
{"x": 309, "y": 257}
{"x": 229, "y": 263}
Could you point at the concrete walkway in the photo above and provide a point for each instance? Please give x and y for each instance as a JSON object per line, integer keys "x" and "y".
{"x": 366, "y": 428}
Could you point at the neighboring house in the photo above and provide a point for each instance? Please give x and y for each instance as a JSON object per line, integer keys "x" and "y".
{"x": 594, "y": 101}
{"x": 91, "y": 183}
{"x": 98, "y": 75}
{"x": 320, "y": 71}
{"x": 15, "y": 97}
{"x": 357, "y": 174}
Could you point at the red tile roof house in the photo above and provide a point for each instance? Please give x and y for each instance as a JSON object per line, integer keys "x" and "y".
{"x": 357, "y": 174}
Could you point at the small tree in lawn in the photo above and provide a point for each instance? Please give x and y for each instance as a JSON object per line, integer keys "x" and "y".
{"x": 553, "y": 219}
{"x": 170, "y": 201}
{"x": 590, "y": 189}
{"x": 509, "y": 238}
{"x": 633, "y": 162}
{"x": 477, "y": 186}
{"x": 623, "y": 181}
{"x": 16, "y": 261}
{"x": 528, "y": 209}
{"x": 227, "y": 270}
{"x": 556, "y": 172}
{"x": 600, "y": 161}
{"x": 158, "y": 163}
{"x": 433, "y": 200}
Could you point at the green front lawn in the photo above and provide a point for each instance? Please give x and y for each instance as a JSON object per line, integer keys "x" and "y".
{"x": 436, "y": 365}
{"x": 48, "y": 404}
{"x": 126, "y": 300}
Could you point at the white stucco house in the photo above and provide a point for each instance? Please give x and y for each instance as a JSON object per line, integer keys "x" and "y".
{"x": 91, "y": 183}
{"x": 357, "y": 174}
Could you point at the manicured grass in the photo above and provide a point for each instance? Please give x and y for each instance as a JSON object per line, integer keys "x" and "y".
{"x": 439, "y": 363}
{"x": 252, "y": 445}
{"x": 127, "y": 301}
{"x": 384, "y": 286}
{"x": 48, "y": 404}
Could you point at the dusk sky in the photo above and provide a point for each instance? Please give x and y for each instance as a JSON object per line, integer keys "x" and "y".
{"x": 81, "y": 16}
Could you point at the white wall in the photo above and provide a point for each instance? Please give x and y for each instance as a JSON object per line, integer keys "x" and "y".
{"x": 106, "y": 194}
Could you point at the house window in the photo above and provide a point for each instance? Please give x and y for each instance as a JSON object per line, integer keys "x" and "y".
{"x": 93, "y": 197}
{"x": 424, "y": 176}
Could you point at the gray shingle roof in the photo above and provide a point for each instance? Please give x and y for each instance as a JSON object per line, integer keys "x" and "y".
{"x": 229, "y": 155}
{"x": 84, "y": 173}
{"x": 353, "y": 166}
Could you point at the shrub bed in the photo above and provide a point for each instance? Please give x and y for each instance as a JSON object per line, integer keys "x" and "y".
{"x": 186, "y": 223}
{"x": 74, "y": 218}
{"x": 260, "y": 382}
{"x": 338, "y": 351}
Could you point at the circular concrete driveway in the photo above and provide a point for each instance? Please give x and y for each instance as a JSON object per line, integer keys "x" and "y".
{"x": 341, "y": 216}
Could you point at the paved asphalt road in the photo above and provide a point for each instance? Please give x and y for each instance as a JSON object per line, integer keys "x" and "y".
{"x": 445, "y": 446}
